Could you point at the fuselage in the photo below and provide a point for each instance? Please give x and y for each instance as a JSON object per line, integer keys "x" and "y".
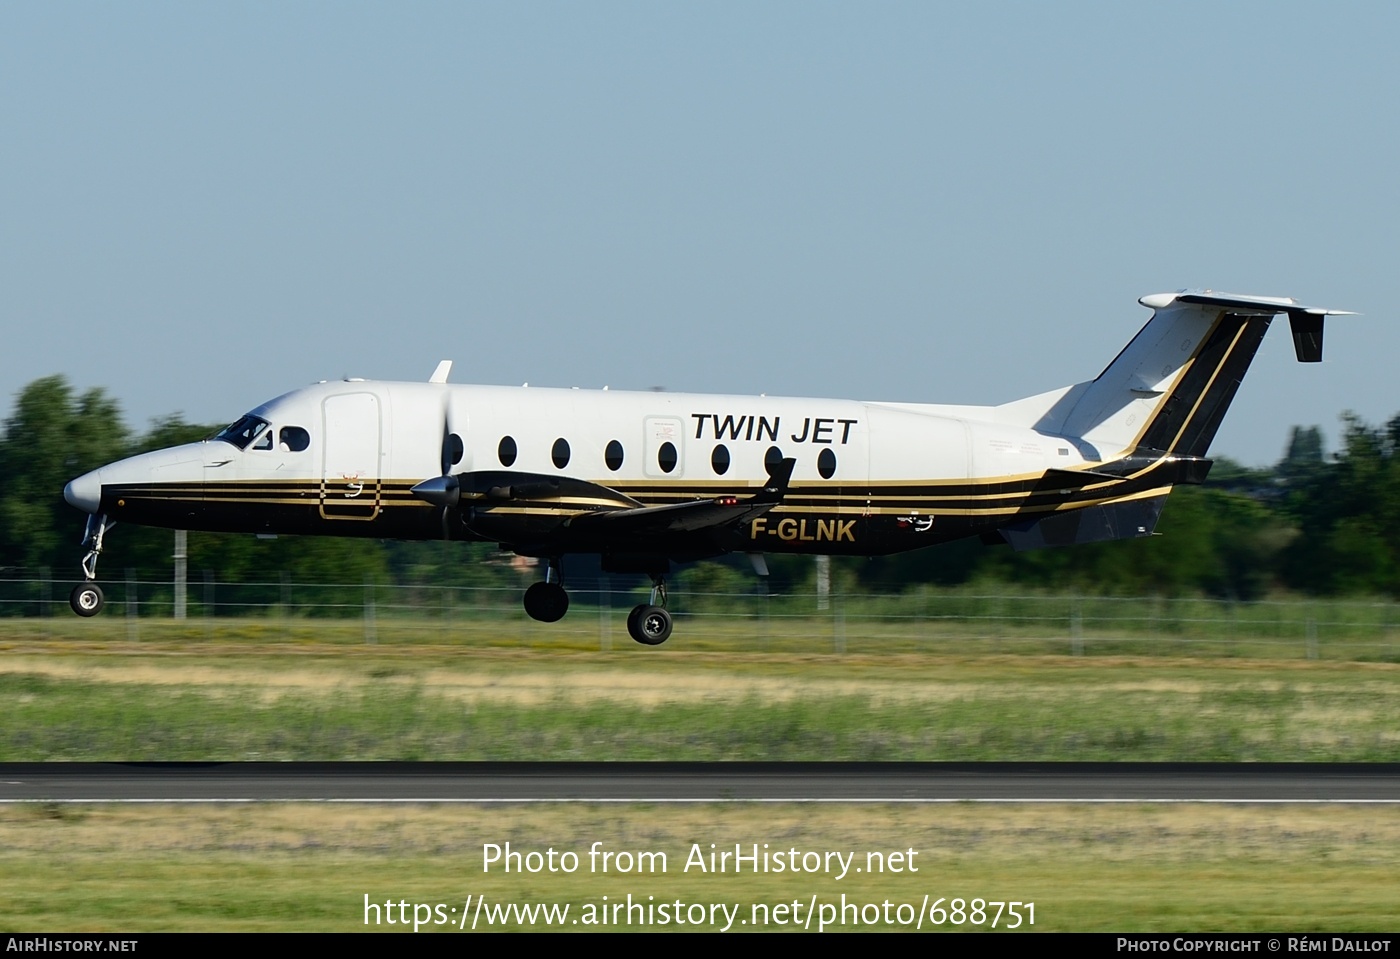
{"x": 341, "y": 458}
{"x": 647, "y": 478}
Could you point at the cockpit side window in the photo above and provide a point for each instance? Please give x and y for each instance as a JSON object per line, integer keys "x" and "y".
{"x": 264, "y": 442}
{"x": 243, "y": 432}
{"x": 294, "y": 439}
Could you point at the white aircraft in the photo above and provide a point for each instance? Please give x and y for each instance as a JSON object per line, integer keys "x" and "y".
{"x": 650, "y": 479}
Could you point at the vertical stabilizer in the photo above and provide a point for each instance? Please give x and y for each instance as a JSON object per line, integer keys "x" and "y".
{"x": 1169, "y": 388}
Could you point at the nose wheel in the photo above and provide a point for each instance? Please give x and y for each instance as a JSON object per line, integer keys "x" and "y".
{"x": 650, "y": 623}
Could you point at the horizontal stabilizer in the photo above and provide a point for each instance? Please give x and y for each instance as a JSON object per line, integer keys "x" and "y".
{"x": 1306, "y": 321}
{"x": 1235, "y": 303}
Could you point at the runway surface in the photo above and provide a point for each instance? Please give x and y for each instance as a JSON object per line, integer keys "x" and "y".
{"x": 700, "y": 782}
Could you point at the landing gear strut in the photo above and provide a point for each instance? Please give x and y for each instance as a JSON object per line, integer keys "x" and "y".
{"x": 650, "y": 624}
{"x": 547, "y": 601}
{"x": 86, "y": 598}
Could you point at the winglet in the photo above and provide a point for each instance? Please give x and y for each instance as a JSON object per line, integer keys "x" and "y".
{"x": 779, "y": 475}
{"x": 440, "y": 374}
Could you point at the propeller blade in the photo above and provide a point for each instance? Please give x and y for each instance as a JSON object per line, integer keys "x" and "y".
{"x": 446, "y": 460}
{"x": 443, "y": 490}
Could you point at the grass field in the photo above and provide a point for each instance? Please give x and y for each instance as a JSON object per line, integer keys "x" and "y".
{"x": 253, "y": 691}
{"x": 962, "y": 619}
{"x": 322, "y": 699}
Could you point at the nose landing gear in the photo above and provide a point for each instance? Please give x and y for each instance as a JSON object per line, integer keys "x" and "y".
{"x": 86, "y": 598}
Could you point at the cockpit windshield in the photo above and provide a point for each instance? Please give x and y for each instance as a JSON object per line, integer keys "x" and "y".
{"x": 243, "y": 432}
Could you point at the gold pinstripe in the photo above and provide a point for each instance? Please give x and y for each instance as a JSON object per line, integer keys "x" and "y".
{"x": 1209, "y": 383}
{"x": 1181, "y": 374}
{"x": 859, "y": 506}
{"x": 850, "y": 495}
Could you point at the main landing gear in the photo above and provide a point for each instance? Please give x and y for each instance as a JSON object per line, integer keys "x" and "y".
{"x": 547, "y": 601}
{"x": 86, "y": 598}
{"x": 649, "y": 623}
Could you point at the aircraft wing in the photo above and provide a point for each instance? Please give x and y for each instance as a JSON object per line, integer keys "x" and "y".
{"x": 693, "y": 515}
{"x": 599, "y": 508}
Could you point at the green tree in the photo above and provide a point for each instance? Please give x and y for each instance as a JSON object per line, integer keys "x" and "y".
{"x": 51, "y": 437}
{"x": 1348, "y": 512}
{"x": 1304, "y": 460}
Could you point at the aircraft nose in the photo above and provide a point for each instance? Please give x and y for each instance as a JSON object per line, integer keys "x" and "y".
{"x": 85, "y": 492}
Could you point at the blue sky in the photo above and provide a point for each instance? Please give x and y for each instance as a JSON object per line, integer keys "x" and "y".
{"x": 205, "y": 205}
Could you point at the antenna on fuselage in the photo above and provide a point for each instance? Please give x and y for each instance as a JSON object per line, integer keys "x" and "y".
{"x": 440, "y": 374}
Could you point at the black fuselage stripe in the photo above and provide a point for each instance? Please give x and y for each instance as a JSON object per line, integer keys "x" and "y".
{"x": 1186, "y": 422}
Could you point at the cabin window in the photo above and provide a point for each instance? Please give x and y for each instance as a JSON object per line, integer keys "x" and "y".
{"x": 612, "y": 456}
{"x": 560, "y": 453}
{"x": 455, "y": 448}
{"x": 294, "y": 439}
{"x": 772, "y": 458}
{"x": 667, "y": 457}
{"x": 719, "y": 460}
{"x": 243, "y": 432}
{"x": 506, "y": 451}
{"x": 826, "y": 463}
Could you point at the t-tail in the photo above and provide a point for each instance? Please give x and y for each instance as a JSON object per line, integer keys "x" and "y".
{"x": 1147, "y": 421}
{"x": 1168, "y": 390}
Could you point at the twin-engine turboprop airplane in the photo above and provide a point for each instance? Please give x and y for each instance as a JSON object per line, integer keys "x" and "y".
{"x": 650, "y": 479}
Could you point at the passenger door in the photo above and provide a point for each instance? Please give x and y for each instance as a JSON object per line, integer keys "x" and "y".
{"x": 350, "y": 451}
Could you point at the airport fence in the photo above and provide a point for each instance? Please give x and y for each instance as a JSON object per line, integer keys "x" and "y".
{"x": 954, "y": 620}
